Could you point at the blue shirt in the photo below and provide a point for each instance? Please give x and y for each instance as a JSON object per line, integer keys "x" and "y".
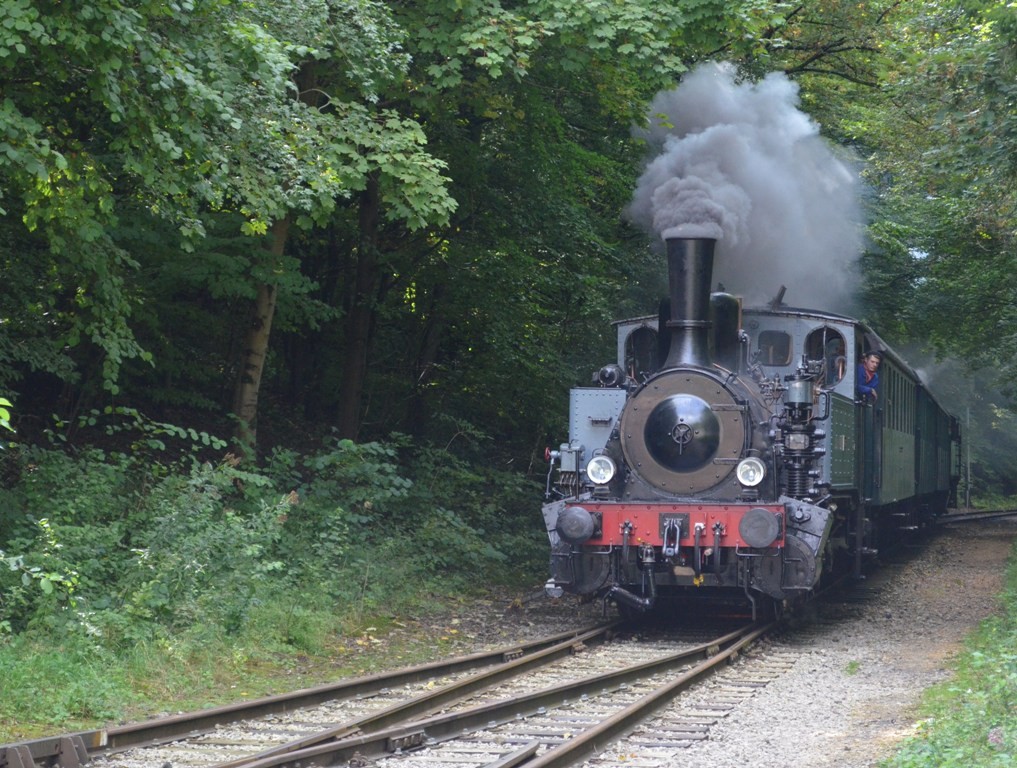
{"x": 865, "y": 388}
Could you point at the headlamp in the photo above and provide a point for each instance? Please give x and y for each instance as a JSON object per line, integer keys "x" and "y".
{"x": 600, "y": 470}
{"x": 750, "y": 472}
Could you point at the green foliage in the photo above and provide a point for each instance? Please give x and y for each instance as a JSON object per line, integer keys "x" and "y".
{"x": 67, "y": 489}
{"x": 505, "y": 127}
{"x": 171, "y": 110}
{"x": 5, "y": 419}
{"x": 201, "y": 559}
{"x": 147, "y": 435}
{"x": 69, "y": 681}
{"x": 344, "y": 494}
{"x": 5, "y": 414}
{"x": 366, "y": 476}
{"x": 970, "y": 720}
{"x": 40, "y": 584}
{"x": 473, "y": 43}
{"x": 480, "y": 518}
{"x": 431, "y": 510}
{"x": 122, "y": 550}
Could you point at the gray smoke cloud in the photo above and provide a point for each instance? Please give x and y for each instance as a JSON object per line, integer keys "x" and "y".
{"x": 742, "y": 163}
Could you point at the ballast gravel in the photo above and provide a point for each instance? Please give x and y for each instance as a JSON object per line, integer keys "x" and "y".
{"x": 862, "y": 665}
{"x": 853, "y": 695}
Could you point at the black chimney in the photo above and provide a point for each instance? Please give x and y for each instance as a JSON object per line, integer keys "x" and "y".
{"x": 690, "y": 271}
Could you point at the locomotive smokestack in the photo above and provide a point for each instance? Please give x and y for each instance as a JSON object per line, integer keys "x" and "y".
{"x": 690, "y": 271}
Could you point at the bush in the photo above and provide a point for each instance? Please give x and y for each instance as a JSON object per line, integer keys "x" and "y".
{"x": 159, "y": 575}
{"x": 61, "y": 681}
{"x": 123, "y": 550}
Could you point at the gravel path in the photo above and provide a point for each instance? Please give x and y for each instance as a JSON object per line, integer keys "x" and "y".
{"x": 853, "y": 694}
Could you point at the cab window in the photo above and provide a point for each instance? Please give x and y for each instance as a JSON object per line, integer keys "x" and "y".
{"x": 641, "y": 353}
{"x": 826, "y": 347}
{"x": 774, "y": 348}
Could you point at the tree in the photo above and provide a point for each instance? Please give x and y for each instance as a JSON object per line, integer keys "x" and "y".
{"x": 938, "y": 140}
{"x": 187, "y": 110}
{"x": 947, "y": 175}
{"x": 531, "y": 107}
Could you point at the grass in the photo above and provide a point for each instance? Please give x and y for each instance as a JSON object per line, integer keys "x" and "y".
{"x": 970, "y": 721}
{"x": 49, "y": 686}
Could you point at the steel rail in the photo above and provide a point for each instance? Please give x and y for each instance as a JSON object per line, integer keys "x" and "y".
{"x": 429, "y": 702}
{"x": 571, "y": 751}
{"x": 73, "y": 749}
{"x": 970, "y": 517}
{"x": 450, "y": 725}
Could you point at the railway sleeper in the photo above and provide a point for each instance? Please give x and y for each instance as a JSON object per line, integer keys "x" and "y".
{"x": 66, "y": 752}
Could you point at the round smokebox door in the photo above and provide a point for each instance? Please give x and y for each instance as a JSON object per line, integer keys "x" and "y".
{"x": 683, "y": 432}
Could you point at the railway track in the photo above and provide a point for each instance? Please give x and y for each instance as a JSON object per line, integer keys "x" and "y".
{"x": 599, "y": 694}
{"x": 972, "y": 516}
{"x": 549, "y": 703}
{"x": 70, "y": 750}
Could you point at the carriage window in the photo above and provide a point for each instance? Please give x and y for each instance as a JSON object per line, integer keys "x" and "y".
{"x": 774, "y": 348}
{"x": 827, "y": 346}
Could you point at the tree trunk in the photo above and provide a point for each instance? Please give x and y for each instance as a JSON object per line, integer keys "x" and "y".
{"x": 255, "y": 351}
{"x": 360, "y": 315}
{"x": 427, "y": 355}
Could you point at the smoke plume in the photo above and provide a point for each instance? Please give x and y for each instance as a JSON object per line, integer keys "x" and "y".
{"x": 742, "y": 163}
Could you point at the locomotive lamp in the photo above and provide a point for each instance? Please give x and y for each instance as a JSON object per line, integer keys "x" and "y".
{"x": 600, "y": 470}
{"x": 610, "y": 376}
{"x": 750, "y": 472}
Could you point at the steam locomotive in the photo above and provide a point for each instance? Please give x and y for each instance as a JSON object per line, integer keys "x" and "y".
{"x": 726, "y": 456}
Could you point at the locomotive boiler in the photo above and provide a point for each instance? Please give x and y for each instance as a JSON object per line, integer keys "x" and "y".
{"x": 724, "y": 455}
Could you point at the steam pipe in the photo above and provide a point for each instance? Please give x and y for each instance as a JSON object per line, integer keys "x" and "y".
{"x": 690, "y": 271}
{"x": 622, "y": 595}
{"x": 716, "y": 548}
{"x": 697, "y": 536}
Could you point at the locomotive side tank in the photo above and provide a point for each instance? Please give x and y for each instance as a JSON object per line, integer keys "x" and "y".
{"x": 742, "y": 464}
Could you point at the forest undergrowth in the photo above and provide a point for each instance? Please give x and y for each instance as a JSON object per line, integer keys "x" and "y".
{"x": 131, "y": 585}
